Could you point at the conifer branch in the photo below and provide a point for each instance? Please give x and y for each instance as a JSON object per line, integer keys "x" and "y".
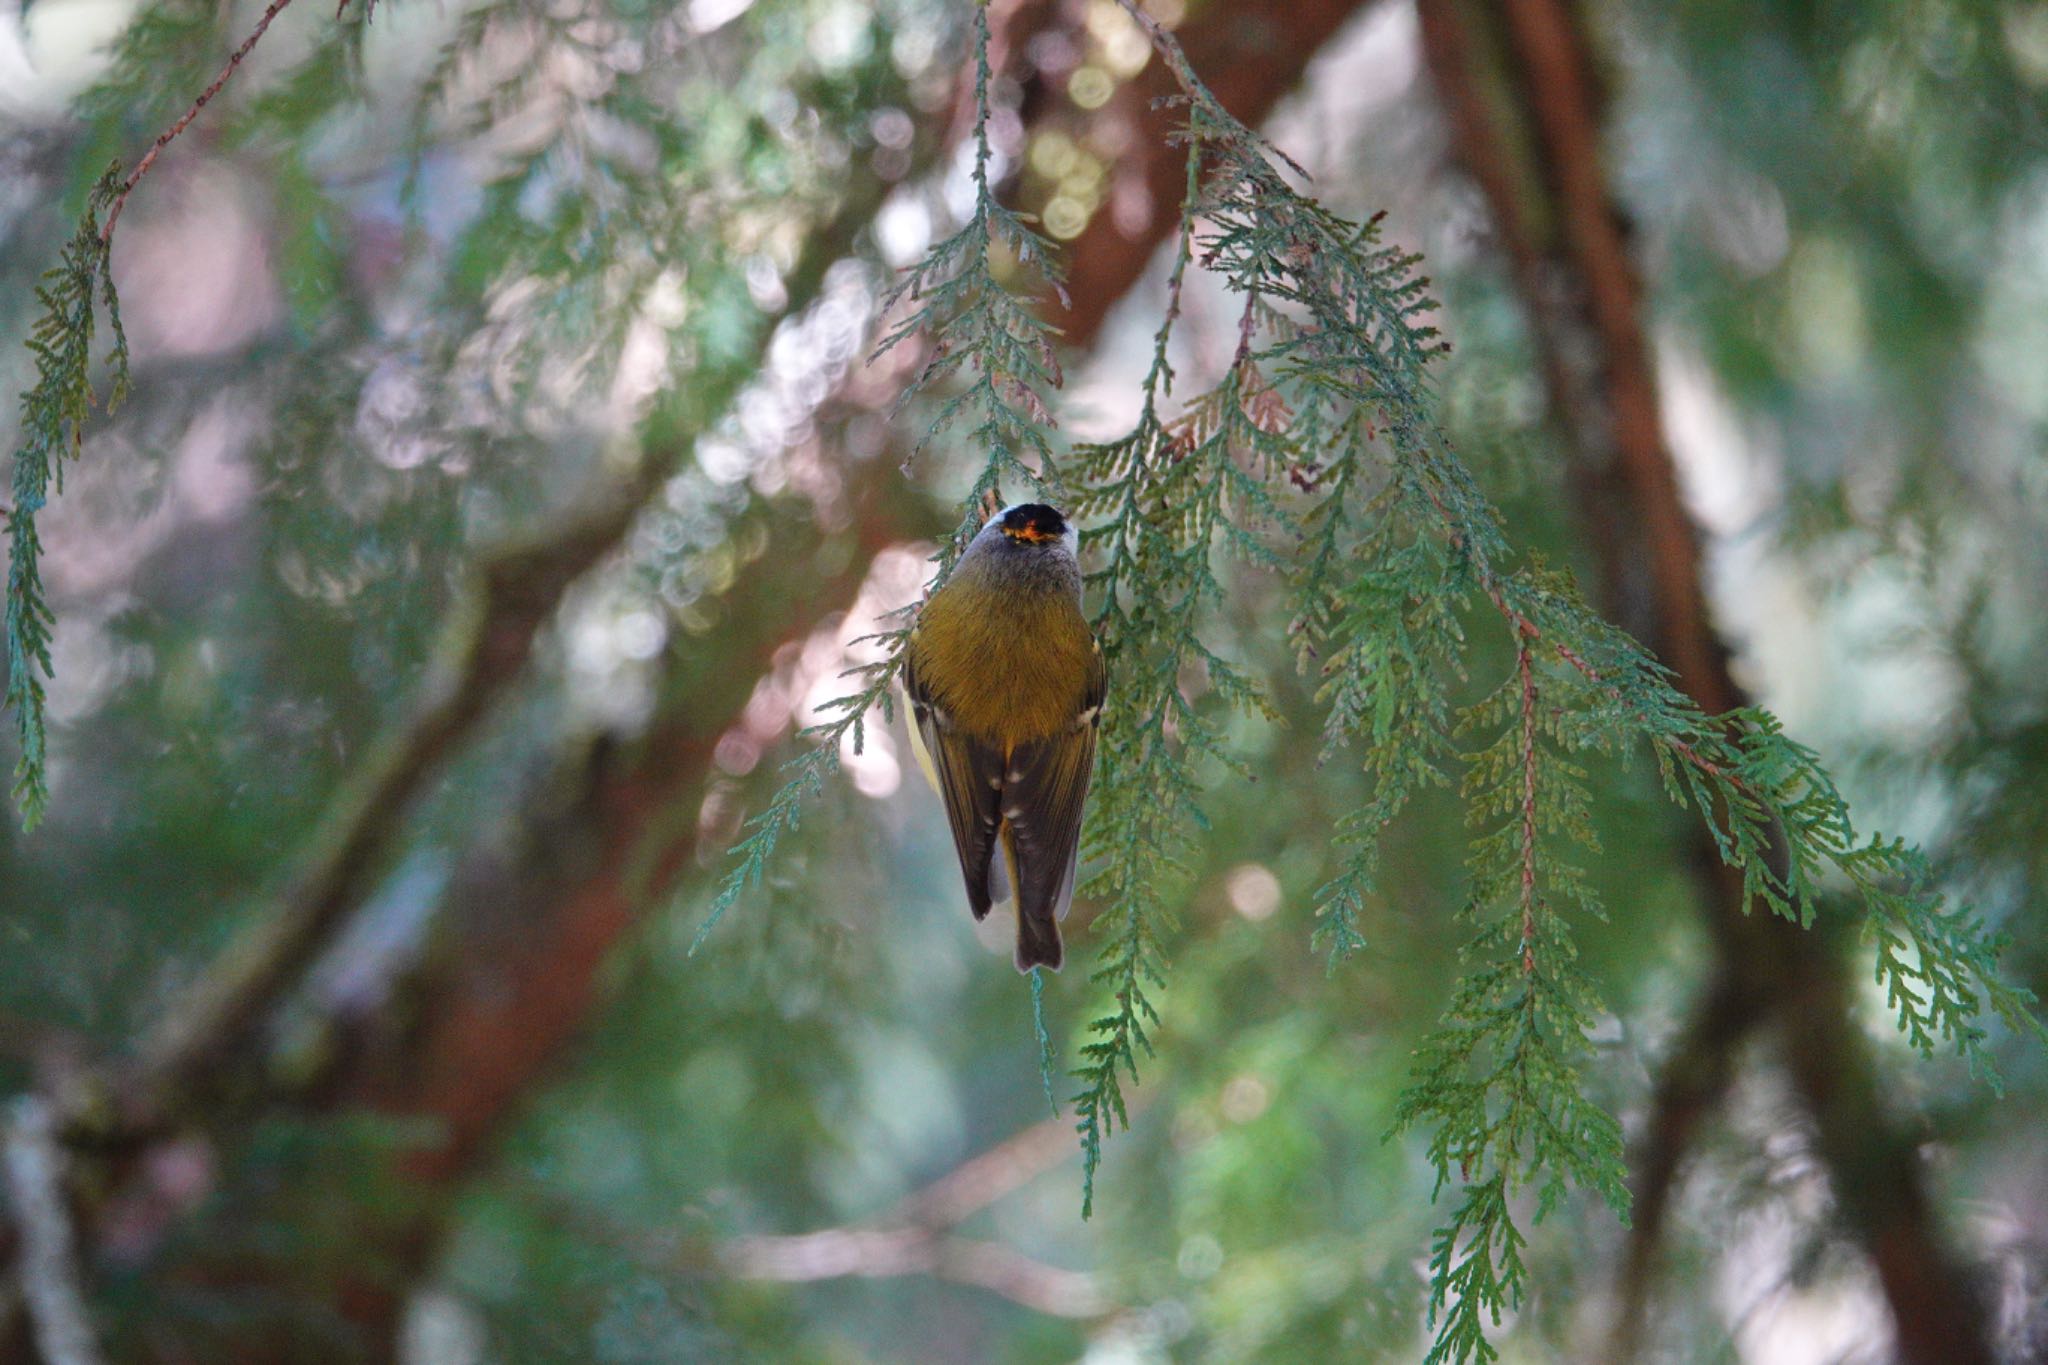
{"x": 54, "y": 413}
{"x": 1597, "y": 365}
{"x": 1173, "y": 492}
{"x": 1526, "y": 674}
{"x": 809, "y": 771}
{"x": 165, "y": 138}
{"x": 1351, "y": 353}
{"x": 975, "y": 326}
{"x": 1250, "y": 78}
{"x": 53, "y": 416}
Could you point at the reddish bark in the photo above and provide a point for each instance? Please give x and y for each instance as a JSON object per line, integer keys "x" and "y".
{"x": 535, "y": 919}
{"x": 1250, "y": 53}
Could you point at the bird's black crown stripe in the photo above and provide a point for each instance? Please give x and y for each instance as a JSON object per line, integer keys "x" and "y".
{"x": 1036, "y": 515}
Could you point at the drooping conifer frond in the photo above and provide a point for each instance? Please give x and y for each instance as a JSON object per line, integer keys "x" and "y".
{"x": 1166, "y": 496}
{"x": 55, "y": 408}
{"x": 974, "y": 326}
{"x": 53, "y": 417}
{"x": 1317, "y": 456}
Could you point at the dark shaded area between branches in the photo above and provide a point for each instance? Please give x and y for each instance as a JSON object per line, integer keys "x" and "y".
{"x": 534, "y": 910}
{"x": 207, "y": 1061}
{"x": 1565, "y": 240}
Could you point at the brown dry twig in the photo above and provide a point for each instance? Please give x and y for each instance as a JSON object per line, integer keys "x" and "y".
{"x": 915, "y": 1237}
{"x": 164, "y": 138}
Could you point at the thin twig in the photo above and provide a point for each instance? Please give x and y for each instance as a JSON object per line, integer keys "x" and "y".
{"x": 913, "y": 1238}
{"x": 980, "y": 1181}
{"x": 1525, "y": 673}
{"x": 48, "y": 1265}
{"x": 163, "y": 139}
{"x": 1247, "y": 327}
{"x": 883, "y": 1253}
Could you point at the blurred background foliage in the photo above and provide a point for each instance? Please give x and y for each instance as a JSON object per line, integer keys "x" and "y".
{"x": 427, "y": 280}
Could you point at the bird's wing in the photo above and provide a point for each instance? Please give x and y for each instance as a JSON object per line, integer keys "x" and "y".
{"x": 1044, "y": 790}
{"x": 969, "y": 776}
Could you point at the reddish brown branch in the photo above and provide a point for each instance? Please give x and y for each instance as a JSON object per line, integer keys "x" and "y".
{"x": 975, "y": 1184}
{"x": 164, "y": 138}
{"x": 1556, "y": 69}
{"x": 1482, "y": 148}
{"x": 485, "y": 646}
{"x": 914, "y": 1238}
{"x": 1250, "y": 53}
{"x": 596, "y": 847}
{"x": 1247, "y": 327}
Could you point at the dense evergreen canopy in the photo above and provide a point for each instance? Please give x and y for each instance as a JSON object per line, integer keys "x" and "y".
{"x": 1562, "y": 500}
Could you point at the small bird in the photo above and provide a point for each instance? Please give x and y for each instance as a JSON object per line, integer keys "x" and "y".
{"x": 1006, "y": 684}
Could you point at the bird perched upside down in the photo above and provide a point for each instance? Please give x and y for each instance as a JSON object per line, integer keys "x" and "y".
{"x": 1006, "y": 684}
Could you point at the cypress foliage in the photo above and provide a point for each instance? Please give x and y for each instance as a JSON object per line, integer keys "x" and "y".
{"x": 54, "y": 412}
{"x": 1318, "y": 457}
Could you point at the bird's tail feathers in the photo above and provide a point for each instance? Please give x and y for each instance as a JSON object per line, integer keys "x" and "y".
{"x": 1038, "y": 942}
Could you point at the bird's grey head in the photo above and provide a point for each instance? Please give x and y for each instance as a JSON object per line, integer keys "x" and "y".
{"x": 1027, "y": 546}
